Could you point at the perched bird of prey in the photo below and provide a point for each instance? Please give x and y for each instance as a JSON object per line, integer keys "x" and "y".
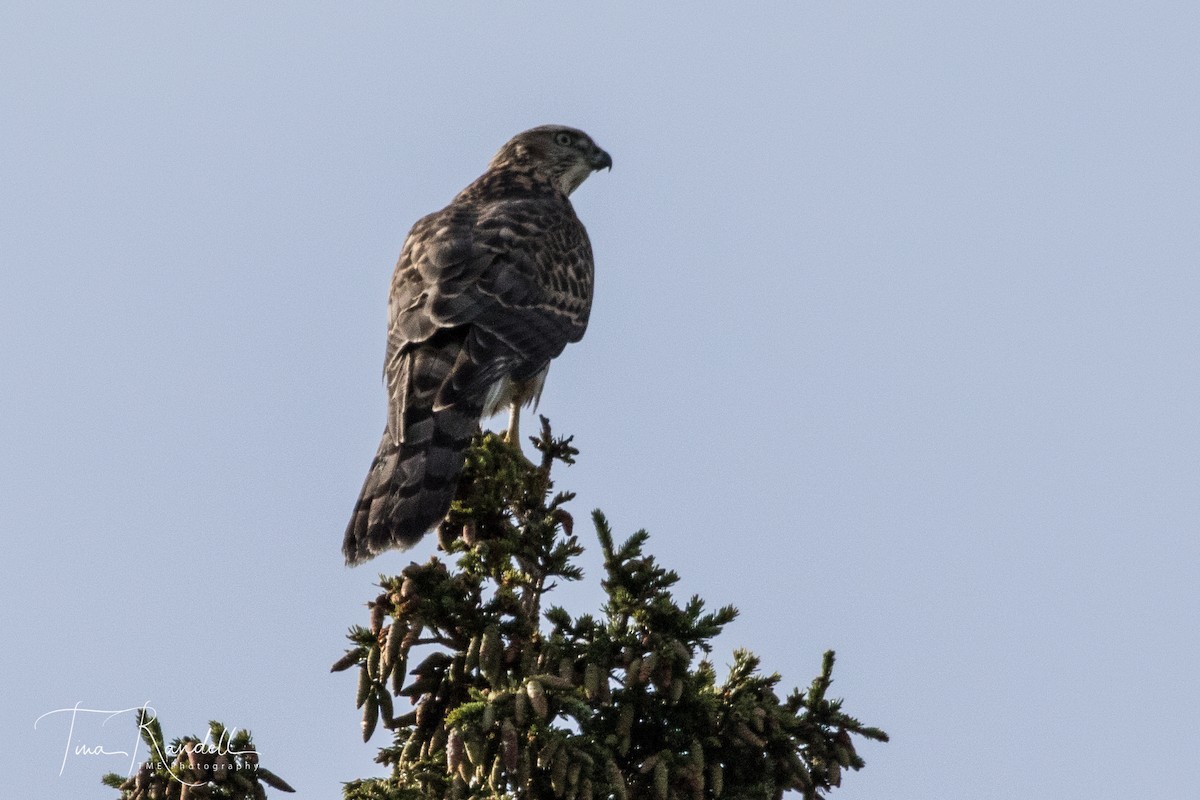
{"x": 485, "y": 293}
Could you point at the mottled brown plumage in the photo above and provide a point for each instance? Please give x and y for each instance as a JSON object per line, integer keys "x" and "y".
{"x": 487, "y": 291}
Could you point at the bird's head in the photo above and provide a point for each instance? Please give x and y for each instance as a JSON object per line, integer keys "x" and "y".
{"x": 565, "y": 156}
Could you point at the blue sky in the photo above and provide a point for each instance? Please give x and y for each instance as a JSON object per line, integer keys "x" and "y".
{"x": 894, "y": 347}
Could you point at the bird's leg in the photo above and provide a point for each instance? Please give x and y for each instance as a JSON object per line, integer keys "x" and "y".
{"x": 512, "y": 435}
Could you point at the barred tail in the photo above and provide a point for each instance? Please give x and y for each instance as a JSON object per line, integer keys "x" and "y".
{"x": 409, "y": 487}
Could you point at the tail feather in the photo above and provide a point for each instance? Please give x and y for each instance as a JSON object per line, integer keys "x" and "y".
{"x": 413, "y": 477}
{"x": 410, "y": 486}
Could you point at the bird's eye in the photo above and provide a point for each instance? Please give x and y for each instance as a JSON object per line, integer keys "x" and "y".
{"x": 563, "y": 138}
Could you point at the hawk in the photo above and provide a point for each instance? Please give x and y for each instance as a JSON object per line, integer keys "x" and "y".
{"x": 486, "y": 292}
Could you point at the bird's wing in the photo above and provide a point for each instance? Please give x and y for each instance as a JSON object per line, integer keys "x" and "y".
{"x": 511, "y": 278}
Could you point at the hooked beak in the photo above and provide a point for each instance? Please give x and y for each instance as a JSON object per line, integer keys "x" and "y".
{"x": 601, "y": 160}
